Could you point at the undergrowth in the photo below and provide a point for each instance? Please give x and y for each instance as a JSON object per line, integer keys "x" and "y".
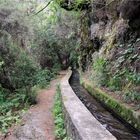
{"x": 60, "y": 131}
{"x": 14, "y": 104}
{"x": 11, "y": 108}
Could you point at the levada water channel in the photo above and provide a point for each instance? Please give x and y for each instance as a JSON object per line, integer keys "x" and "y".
{"x": 120, "y": 129}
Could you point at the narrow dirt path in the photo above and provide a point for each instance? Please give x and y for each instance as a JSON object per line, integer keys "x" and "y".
{"x": 38, "y": 123}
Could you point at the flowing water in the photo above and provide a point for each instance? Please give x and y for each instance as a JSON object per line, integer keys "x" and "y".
{"x": 120, "y": 129}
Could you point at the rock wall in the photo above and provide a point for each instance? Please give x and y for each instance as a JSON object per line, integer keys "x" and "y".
{"x": 107, "y": 23}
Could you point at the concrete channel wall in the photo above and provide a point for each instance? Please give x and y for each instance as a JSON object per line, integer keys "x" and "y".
{"x": 80, "y": 123}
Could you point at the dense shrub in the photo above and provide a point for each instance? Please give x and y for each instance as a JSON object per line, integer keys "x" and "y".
{"x": 19, "y": 77}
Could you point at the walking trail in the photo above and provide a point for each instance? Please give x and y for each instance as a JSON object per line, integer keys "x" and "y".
{"x": 38, "y": 123}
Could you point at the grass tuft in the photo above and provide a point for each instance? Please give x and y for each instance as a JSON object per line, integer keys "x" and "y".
{"x": 60, "y": 131}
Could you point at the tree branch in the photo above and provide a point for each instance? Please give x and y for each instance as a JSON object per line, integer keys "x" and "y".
{"x": 44, "y": 7}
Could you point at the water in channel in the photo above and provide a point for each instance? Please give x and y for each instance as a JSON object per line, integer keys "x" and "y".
{"x": 115, "y": 125}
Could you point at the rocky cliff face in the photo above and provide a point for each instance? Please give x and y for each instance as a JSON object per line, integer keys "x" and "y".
{"x": 109, "y": 23}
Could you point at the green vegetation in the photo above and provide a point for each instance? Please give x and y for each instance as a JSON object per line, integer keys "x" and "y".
{"x": 33, "y": 48}
{"x": 40, "y": 38}
{"x": 18, "y": 88}
{"x": 60, "y": 130}
{"x": 99, "y": 71}
{"x": 121, "y": 74}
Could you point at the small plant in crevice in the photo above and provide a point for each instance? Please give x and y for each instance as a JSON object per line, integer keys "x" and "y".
{"x": 134, "y": 78}
{"x": 99, "y": 72}
{"x": 114, "y": 83}
{"x": 60, "y": 131}
{"x": 132, "y": 96}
